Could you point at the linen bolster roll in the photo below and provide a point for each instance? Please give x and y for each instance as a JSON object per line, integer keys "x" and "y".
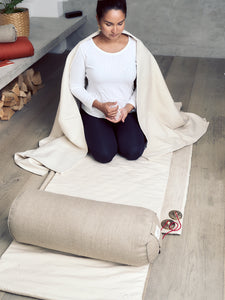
{"x": 113, "y": 232}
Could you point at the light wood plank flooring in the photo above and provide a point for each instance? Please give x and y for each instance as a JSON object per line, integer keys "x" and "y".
{"x": 191, "y": 266}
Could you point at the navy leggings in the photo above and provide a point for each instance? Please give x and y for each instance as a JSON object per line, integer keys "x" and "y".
{"x": 105, "y": 139}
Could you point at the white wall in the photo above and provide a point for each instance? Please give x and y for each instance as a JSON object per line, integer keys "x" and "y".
{"x": 170, "y": 27}
{"x": 167, "y": 27}
{"x": 88, "y": 8}
{"x": 43, "y": 8}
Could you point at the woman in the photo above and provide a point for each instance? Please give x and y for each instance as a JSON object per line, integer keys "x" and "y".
{"x": 108, "y": 61}
{"x": 115, "y": 117}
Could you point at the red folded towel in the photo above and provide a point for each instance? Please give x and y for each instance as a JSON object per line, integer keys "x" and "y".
{"x": 22, "y": 47}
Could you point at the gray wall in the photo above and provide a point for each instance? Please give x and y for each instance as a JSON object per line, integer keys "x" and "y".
{"x": 168, "y": 27}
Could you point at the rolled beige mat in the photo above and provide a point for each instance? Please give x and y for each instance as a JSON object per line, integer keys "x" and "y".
{"x": 118, "y": 233}
{"x": 8, "y": 33}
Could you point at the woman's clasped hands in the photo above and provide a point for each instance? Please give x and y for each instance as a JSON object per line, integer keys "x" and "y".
{"x": 112, "y": 111}
{"x": 118, "y": 114}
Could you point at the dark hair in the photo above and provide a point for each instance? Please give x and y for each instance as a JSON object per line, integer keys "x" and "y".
{"x": 104, "y": 5}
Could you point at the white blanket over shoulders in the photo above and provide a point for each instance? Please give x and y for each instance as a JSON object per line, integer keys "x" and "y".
{"x": 165, "y": 126}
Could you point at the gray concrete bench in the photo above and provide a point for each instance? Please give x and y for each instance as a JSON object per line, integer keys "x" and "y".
{"x": 45, "y": 35}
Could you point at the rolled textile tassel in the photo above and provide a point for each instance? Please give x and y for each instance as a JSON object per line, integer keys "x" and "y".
{"x": 8, "y": 33}
{"x": 22, "y": 47}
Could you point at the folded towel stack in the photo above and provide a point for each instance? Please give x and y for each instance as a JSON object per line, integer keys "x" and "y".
{"x": 11, "y": 46}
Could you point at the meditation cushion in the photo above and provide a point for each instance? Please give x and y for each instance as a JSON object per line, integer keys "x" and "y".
{"x": 8, "y": 33}
{"x": 106, "y": 231}
{"x": 22, "y": 47}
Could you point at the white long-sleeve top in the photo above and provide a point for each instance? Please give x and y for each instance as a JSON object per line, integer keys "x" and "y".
{"x": 110, "y": 76}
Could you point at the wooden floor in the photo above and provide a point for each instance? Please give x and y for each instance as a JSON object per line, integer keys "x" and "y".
{"x": 191, "y": 266}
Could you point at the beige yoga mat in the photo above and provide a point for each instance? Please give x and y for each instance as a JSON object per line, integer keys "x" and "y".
{"x": 44, "y": 274}
{"x": 159, "y": 184}
{"x": 172, "y": 211}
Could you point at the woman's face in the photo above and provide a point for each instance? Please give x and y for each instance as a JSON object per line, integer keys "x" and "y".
{"x": 112, "y": 24}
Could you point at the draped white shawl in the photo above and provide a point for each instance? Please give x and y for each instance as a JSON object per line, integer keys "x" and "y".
{"x": 165, "y": 126}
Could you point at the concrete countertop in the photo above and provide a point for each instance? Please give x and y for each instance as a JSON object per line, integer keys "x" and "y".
{"x": 45, "y": 35}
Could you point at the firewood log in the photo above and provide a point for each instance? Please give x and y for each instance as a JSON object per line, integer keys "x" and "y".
{"x": 20, "y": 80}
{"x": 23, "y": 99}
{"x": 18, "y": 106}
{"x": 36, "y": 78}
{"x": 28, "y": 75}
{"x": 29, "y": 96}
{"x": 7, "y": 113}
{"x": 23, "y": 94}
{"x": 19, "y": 92}
{"x": 10, "y": 98}
{"x": 15, "y": 89}
{"x": 21, "y": 83}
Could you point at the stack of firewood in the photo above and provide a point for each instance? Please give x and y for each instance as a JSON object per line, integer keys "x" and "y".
{"x": 19, "y": 92}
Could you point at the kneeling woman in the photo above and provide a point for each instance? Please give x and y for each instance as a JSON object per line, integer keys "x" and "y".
{"x": 108, "y": 110}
